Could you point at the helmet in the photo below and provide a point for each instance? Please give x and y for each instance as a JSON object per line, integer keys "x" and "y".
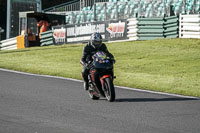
{"x": 96, "y": 40}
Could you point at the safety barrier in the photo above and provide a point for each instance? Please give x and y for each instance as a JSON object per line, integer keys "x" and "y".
{"x": 8, "y": 44}
{"x": 137, "y": 29}
{"x": 171, "y": 27}
{"x": 47, "y": 38}
{"x": 150, "y": 28}
{"x": 132, "y": 29}
{"x": 189, "y": 26}
{"x": 154, "y": 28}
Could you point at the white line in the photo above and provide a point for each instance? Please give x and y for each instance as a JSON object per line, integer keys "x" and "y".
{"x": 38, "y": 75}
{"x": 155, "y": 92}
{"x": 76, "y": 80}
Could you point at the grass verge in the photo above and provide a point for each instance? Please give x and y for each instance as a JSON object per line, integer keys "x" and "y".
{"x": 165, "y": 65}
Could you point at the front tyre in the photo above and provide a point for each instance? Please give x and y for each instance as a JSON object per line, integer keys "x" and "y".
{"x": 109, "y": 89}
{"x": 92, "y": 95}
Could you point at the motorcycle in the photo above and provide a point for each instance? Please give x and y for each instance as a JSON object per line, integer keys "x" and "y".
{"x": 101, "y": 77}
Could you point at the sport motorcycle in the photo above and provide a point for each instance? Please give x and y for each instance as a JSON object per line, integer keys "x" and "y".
{"x": 101, "y": 77}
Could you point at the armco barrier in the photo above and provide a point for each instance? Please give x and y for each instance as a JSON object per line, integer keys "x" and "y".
{"x": 150, "y": 28}
{"x": 189, "y": 26}
{"x": 47, "y": 38}
{"x": 9, "y": 44}
{"x": 154, "y": 28}
{"x": 132, "y": 29}
{"x": 171, "y": 27}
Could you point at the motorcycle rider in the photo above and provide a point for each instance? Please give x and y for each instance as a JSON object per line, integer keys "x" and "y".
{"x": 95, "y": 44}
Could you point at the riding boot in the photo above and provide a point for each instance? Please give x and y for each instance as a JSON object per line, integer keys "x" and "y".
{"x": 86, "y": 81}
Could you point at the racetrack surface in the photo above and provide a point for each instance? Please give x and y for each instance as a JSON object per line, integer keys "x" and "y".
{"x": 37, "y": 104}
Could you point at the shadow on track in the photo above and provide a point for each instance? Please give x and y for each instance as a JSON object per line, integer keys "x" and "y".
{"x": 153, "y": 99}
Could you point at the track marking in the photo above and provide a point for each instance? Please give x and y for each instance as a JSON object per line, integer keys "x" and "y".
{"x": 126, "y": 88}
{"x": 38, "y": 75}
{"x": 155, "y": 92}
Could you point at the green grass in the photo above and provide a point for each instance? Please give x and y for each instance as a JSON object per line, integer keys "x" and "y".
{"x": 165, "y": 65}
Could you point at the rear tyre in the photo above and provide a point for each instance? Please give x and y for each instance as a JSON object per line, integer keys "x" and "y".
{"x": 109, "y": 90}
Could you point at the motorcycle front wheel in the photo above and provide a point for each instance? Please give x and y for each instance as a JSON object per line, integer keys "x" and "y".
{"x": 109, "y": 90}
{"x": 92, "y": 95}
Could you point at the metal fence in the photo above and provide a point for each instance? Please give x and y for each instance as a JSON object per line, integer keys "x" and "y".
{"x": 8, "y": 44}
{"x": 75, "y": 5}
{"x": 189, "y": 26}
{"x": 101, "y": 10}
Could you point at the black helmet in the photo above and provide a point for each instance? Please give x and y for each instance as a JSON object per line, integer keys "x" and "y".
{"x": 96, "y": 40}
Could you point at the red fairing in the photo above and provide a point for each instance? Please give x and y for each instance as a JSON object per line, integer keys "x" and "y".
{"x": 93, "y": 75}
{"x": 105, "y": 76}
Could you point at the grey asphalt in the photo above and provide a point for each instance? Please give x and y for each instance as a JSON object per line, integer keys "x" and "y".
{"x": 34, "y": 104}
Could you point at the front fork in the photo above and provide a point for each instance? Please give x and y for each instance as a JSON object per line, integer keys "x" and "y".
{"x": 103, "y": 81}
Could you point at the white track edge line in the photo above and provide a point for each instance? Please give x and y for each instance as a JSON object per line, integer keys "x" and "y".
{"x": 40, "y": 75}
{"x": 122, "y": 87}
{"x": 155, "y": 92}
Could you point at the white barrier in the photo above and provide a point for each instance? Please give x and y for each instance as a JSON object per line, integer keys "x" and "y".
{"x": 132, "y": 29}
{"x": 189, "y": 26}
{"x": 8, "y": 44}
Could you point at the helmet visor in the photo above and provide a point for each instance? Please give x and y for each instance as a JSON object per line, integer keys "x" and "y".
{"x": 97, "y": 43}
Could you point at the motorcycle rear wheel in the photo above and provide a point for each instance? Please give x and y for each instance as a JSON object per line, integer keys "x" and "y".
{"x": 109, "y": 90}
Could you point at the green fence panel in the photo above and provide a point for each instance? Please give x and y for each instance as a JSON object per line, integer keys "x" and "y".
{"x": 44, "y": 36}
{"x": 150, "y": 28}
{"x": 47, "y": 38}
{"x": 154, "y": 28}
{"x": 151, "y": 35}
{"x": 151, "y": 22}
{"x": 149, "y": 38}
{"x": 169, "y": 20}
{"x": 172, "y": 36}
{"x": 51, "y": 42}
{"x": 171, "y": 17}
{"x": 46, "y": 32}
{"x": 150, "y": 31}
{"x": 150, "y": 19}
{"x": 171, "y": 33}
{"x": 171, "y": 27}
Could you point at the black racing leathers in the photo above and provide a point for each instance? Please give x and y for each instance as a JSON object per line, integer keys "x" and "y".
{"x": 88, "y": 52}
